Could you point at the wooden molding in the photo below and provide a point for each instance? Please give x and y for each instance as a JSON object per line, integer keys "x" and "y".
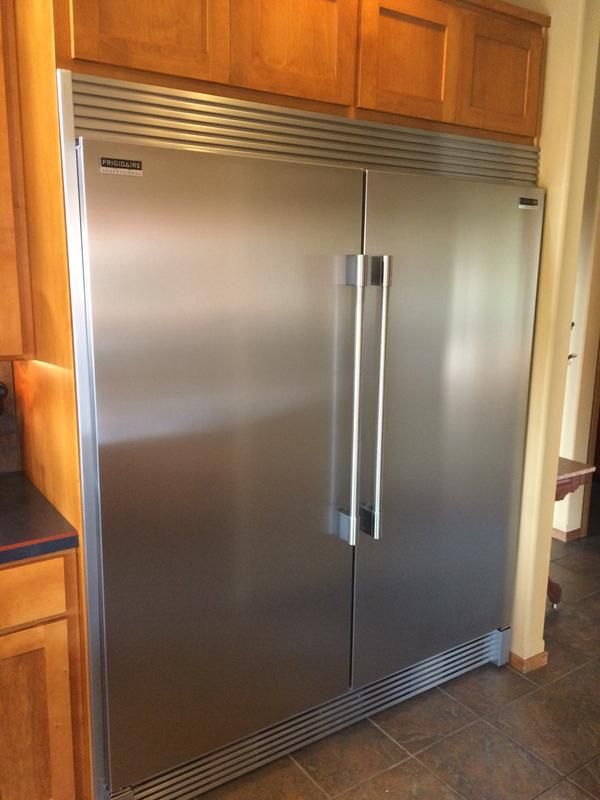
{"x": 501, "y": 7}
{"x": 568, "y": 536}
{"x": 525, "y": 665}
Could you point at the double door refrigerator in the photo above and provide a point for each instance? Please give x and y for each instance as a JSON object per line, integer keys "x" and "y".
{"x": 310, "y": 387}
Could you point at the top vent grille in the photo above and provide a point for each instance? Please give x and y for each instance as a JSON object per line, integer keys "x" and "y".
{"x": 129, "y": 112}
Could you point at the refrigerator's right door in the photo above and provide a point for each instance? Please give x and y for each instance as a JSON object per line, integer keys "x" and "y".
{"x": 460, "y": 324}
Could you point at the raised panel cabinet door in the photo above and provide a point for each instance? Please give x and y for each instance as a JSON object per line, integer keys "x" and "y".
{"x": 409, "y": 57}
{"x": 302, "y": 48}
{"x": 501, "y": 74}
{"x": 11, "y": 340}
{"x": 176, "y": 37}
{"x": 36, "y": 749}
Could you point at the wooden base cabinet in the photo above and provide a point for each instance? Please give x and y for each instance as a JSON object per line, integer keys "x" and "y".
{"x": 40, "y": 691}
{"x": 36, "y": 736}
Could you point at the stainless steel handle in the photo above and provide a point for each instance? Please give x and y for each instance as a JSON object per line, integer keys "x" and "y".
{"x": 386, "y": 276}
{"x": 380, "y": 274}
{"x": 349, "y": 521}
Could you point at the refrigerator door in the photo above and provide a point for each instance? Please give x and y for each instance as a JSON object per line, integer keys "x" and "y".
{"x": 461, "y": 310}
{"x": 222, "y": 343}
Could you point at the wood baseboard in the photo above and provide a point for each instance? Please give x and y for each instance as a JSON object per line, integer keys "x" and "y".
{"x": 568, "y": 536}
{"x": 525, "y": 665}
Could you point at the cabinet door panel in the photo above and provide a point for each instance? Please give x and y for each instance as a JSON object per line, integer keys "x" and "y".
{"x": 408, "y": 57}
{"x": 501, "y": 74}
{"x": 176, "y": 37}
{"x": 36, "y": 751}
{"x": 301, "y": 48}
{"x": 11, "y": 342}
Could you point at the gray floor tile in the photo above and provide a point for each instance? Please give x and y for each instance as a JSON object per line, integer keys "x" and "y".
{"x": 281, "y": 780}
{"x": 560, "y": 722}
{"x": 422, "y": 721}
{"x": 561, "y": 660}
{"x": 483, "y": 764}
{"x": 588, "y": 777}
{"x": 564, "y": 791}
{"x": 488, "y": 688}
{"x": 347, "y": 758}
{"x": 409, "y": 781}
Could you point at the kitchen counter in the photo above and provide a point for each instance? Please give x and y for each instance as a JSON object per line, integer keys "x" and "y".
{"x": 29, "y": 525}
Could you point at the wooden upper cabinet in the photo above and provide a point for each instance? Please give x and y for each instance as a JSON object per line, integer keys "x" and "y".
{"x": 409, "y": 57}
{"x": 302, "y": 48}
{"x": 189, "y": 38}
{"x": 501, "y": 74}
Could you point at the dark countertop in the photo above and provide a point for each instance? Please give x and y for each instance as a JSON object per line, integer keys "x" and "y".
{"x": 29, "y": 525}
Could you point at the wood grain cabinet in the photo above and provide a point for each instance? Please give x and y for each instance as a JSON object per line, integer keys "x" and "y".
{"x": 15, "y": 291}
{"x": 36, "y": 726}
{"x": 189, "y": 38}
{"x": 501, "y": 74}
{"x": 303, "y": 48}
{"x": 409, "y": 58}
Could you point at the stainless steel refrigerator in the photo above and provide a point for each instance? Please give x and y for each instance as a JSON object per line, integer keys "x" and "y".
{"x": 310, "y": 387}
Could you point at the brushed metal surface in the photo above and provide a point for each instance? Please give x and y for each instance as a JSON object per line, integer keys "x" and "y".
{"x": 460, "y": 326}
{"x": 173, "y": 118}
{"x": 220, "y": 342}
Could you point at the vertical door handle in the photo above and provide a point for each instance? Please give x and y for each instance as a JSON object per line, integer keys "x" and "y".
{"x": 349, "y": 521}
{"x": 380, "y": 275}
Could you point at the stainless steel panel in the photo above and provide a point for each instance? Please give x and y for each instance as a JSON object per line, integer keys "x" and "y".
{"x": 220, "y": 341}
{"x": 460, "y": 329}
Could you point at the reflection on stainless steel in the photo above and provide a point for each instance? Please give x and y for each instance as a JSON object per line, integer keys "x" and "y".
{"x": 227, "y": 608}
{"x": 459, "y": 346}
{"x": 249, "y": 377}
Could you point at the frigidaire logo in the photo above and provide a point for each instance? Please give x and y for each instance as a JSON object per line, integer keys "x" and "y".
{"x": 121, "y": 166}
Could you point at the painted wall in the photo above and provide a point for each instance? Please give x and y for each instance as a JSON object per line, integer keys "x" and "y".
{"x": 581, "y": 374}
{"x": 565, "y": 140}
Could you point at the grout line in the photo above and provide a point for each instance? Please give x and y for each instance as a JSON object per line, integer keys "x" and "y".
{"x": 581, "y": 789}
{"x": 441, "y": 780}
{"x": 423, "y": 749}
{"x": 371, "y": 777}
{"x": 308, "y": 775}
{"x": 525, "y": 747}
{"x": 549, "y": 683}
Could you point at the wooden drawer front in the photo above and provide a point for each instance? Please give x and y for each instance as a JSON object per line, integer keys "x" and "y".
{"x": 409, "y": 57}
{"x": 29, "y": 592}
{"x": 176, "y": 37}
{"x": 501, "y": 74}
{"x": 301, "y": 48}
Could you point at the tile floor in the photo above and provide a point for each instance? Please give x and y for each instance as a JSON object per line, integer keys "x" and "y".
{"x": 490, "y": 735}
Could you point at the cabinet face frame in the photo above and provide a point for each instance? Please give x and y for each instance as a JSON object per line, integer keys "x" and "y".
{"x": 250, "y": 69}
{"x": 501, "y": 35}
{"x": 51, "y": 640}
{"x": 435, "y": 23}
{"x": 205, "y": 57}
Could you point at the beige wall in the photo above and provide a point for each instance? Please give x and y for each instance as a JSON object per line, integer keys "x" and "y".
{"x": 565, "y": 138}
{"x": 581, "y": 374}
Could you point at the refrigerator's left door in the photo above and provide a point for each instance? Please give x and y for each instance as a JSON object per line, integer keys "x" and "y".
{"x": 220, "y": 338}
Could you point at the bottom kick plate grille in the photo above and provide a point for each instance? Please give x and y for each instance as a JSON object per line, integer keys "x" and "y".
{"x": 188, "y": 781}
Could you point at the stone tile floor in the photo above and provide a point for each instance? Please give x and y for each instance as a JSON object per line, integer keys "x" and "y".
{"x": 490, "y": 735}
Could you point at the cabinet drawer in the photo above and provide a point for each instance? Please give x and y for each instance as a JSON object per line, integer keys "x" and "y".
{"x": 29, "y": 592}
